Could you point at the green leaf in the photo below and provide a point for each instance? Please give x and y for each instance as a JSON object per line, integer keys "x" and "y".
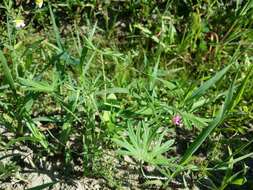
{"x": 7, "y": 72}
{"x": 239, "y": 93}
{"x": 82, "y": 58}
{"x": 206, "y": 85}
{"x": 200, "y": 139}
{"x": 198, "y": 104}
{"x": 38, "y": 86}
{"x": 207, "y": 131}
{"x": 56, "y": 31}
{"x": 198, "y": 122}
{"x": 43, "y": 186}
{"x": 19, "y": 139}
{"x": 145, "y": 111}
{"x": 36, "y": 134}
{"x": 239, "y": 181}
{"x": 144, "y": 144}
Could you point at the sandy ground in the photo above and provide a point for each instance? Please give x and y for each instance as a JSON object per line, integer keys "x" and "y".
{"x": 31, "y": 173}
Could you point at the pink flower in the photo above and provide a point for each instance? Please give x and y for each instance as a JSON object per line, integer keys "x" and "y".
{"x": 176, "y": 120}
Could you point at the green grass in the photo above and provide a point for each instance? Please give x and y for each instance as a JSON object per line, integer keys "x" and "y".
{"x": 84, "y": 79}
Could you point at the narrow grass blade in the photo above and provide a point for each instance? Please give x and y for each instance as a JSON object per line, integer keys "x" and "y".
{"x": 249, "y": 155}
{"x": 82, "y": 58}
{"x": 7, "y": 72}
{"x": 207, "y": 131}
{"x": 19, "y": 139}
{"x": 44, "y": 186}
{"x": 37, "y": 135}
{"x": 37, "y": 86}
{"x": 58, "y": 98}
{"x": 201, "y": 138}
{"x": 224, "y": 165}
{"x": 204, "y": 87}
{"x": 56, "y": 31}
{"x": 239, "y": 93}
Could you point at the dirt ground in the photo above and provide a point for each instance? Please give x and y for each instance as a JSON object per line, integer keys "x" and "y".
{"x": 30, "y": 173}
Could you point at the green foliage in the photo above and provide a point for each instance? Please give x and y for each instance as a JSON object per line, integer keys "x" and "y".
{"x": 7, "y": 72}
{"x": 145, "y": 145}
{"x": 44, "y": 186}
{"x": 7, "y": 170}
